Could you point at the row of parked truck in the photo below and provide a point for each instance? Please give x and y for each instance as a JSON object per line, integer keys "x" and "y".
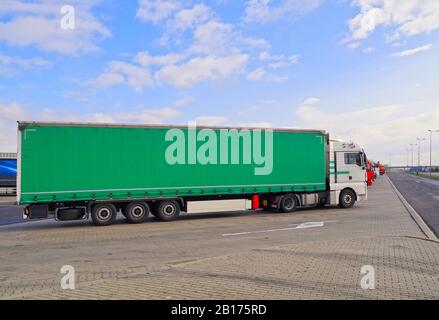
{"x": 373, "y": 170}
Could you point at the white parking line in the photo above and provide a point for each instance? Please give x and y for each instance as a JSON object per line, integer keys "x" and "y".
{"x": 304, "y": 225}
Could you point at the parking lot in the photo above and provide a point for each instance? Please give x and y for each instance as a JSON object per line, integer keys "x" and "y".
{"x": 308, "y": 254}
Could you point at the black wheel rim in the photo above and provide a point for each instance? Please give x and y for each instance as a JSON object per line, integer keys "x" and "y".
{"x": 288, "y": 203}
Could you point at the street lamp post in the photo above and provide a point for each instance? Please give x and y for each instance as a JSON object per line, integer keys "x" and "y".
{"x": 419, "y": 150}
{"x": 411, "y": 147}
{"x": 431, "y": 146}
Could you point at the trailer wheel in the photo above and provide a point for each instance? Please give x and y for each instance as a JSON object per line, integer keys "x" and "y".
{"x": 136, "y": 212}
{"x": 288, "y": 203}
{"x": 347, "y": 199}
{"x": 167, "y": 210}
{"x": 103, "y": 214}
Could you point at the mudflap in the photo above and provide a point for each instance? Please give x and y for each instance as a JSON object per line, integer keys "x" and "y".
{"x": 36, "y": 211}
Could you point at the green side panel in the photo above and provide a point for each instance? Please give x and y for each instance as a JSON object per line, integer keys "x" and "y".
{"x": 64, "y": 163}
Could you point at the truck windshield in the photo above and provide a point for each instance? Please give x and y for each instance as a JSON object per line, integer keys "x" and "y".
{"x": 353, "y": 158}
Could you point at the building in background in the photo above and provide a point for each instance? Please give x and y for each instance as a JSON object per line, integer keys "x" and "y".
{"x": 8, "y": 173}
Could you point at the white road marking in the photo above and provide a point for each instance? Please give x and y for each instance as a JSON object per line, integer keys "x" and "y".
{"x": 436, "y": 197}
{"x": 304, "y": 225}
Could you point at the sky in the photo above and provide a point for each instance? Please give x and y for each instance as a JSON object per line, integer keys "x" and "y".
{"x": 364, "y": 70}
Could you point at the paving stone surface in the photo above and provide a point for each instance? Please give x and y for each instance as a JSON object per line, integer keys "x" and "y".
{"x": 228, "y": 256}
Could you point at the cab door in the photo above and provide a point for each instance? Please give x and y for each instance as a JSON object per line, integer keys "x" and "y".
{"x": 350, "y": 167}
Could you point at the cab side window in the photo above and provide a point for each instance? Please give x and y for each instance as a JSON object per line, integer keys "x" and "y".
{"x": 352, "y": 158}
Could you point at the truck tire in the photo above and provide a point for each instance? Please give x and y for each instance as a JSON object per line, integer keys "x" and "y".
{"x": 103, "y": 214}
{"x": 288, "y": 203}
{"x": 168, "y": 210}
{"x": 347, "y": 199}
{"x": 136, "y": 212}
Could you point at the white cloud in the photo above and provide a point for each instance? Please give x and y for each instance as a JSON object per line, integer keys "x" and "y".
{"x": 412, "y": 52}
{"x": 9, "y": 114}
{"x": 11, "y": 111}
{"x": 145, "y": 116}
{"x": 408, "y": 17}
{"x": 156, "y": 11}
{"x": 146, "y": 60}
{"x": 212, "y": 37}
{"x": 10, "y": 65}
{"x": 211, "y": 120}
{"x": 209, "y": 34}
{"x": 181, "y": 74}
{"x": 183, "y": 101}
{"x": 279, "y": 61}
{"x": 120, "y": 72}
{"x": 215, "y": 50}
{"x": 369, "y": 50}
{"x": 382, "y": 130}
{"x": 189, "y": 18}
{"x": 254, "y": 124}
{"x": 269, "y": 11}
{"x": 257, "y": 74}
{"x": 260, "y": 74}
{"x": 38, "y": 24}
{"x": 310, "y": 101}
{"x": 217, "y": 121}
{"x": 107, "y": 79}
{"x": 217, "y": 37}
{"x": 200, "y": 69}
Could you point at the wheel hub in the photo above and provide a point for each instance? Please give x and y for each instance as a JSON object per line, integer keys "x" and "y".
{"x": 104, "y": 214}
{"x": 169, "y": 210}
{"x": 137, "y": 211}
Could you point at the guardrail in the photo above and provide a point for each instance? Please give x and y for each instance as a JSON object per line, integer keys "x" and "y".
{"x": 8, "y": 191}
{"x": 8, "y": 155}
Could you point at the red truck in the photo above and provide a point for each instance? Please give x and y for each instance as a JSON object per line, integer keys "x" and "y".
{"x": 370, "y": 173}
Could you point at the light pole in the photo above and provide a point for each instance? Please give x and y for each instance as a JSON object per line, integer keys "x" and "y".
{"x": 419, "y": 150}
{"x": 431, "y": 145}
{"x": 408, "y": 163}
{"x": 411, "y": 147}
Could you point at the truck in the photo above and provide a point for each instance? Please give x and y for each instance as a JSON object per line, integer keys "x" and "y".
{"x": 382, "y": 169}
{"x": 8, "y": 173}
{"x": 73, "y": 171}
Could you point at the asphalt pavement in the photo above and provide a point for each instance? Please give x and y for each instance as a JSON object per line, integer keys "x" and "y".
{"x": 422, "y": 194}
{"x": 9, "y": 212}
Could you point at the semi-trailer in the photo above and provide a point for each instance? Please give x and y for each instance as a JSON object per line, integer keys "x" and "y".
{"x": 73, "y": 171}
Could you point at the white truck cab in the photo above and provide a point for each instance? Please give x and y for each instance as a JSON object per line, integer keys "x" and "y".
{"x": 347, "y": 173}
